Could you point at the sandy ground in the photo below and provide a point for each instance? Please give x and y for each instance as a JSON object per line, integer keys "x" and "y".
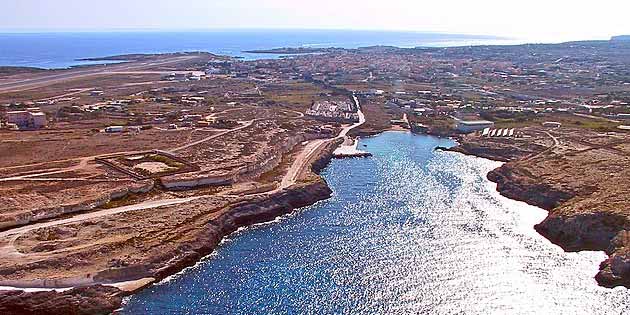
{"x": 127, "y": 235}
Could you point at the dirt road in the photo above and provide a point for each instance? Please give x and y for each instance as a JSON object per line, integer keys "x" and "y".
{"x": 184, "y": 147}
{"x": 9, "y": 237}
{"x": 314, "y": 146}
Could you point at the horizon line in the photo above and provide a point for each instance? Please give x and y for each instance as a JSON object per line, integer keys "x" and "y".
{"x": 220, "y": 29}
{"x": 121, "y": 30}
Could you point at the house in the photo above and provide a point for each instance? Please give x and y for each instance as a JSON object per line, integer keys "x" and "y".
{"x": 196, "y": 75}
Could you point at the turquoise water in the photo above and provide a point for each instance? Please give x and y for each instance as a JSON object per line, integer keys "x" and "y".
{"x": 408, "y": 231}
{"x": 61, "y": 50}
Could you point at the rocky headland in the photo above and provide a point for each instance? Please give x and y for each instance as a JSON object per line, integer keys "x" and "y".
{"x": 583, "y": 184}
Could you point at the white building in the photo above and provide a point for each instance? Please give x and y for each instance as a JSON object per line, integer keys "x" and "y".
{"x": 26, "y": 119}
{"x": 467, "y": 126}
{"x": 552, "y": 124}
{"x": 114, "y": 129}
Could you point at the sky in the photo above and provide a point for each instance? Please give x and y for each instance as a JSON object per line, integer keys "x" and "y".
{"x": 538, "y": 20}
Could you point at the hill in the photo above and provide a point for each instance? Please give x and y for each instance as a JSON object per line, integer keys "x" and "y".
{"x": 621, "y": 37}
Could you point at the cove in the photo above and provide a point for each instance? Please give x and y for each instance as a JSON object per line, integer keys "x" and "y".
{"x": 410, "y": 230}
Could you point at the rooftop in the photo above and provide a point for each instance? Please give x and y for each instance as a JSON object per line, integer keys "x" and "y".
{"x": 475, "y": 122}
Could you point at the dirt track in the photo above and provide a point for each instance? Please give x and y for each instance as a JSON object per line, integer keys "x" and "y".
{"x": 298, "y": 166}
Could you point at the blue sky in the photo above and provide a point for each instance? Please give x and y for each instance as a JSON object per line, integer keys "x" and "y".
{"x": 534, "y": 19}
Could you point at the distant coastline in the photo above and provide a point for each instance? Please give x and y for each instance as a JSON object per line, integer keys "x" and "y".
{"x": 65, "y": 50}
{"x": 293, "y": 50}
{"x": 621, "y": 38}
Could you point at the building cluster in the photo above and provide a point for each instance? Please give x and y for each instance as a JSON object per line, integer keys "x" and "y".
{"x": 500, "y": 133}
{"x": 342, "y": 111}
{"x": 535, "y": 79}
{"x": 185, "y": 76}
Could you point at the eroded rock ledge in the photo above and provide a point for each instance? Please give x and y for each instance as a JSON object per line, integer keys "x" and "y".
{"x": 103, "y": 300}
{"x": 98, "y": 299}
{"x": 93, "y": 300}
{"x": 585, "y": 212}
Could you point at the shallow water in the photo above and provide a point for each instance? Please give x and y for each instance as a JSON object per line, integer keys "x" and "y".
{"x": 407, "y": 231}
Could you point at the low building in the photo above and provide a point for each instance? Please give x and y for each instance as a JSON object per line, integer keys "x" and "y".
{"x": 39, "y": 119}
{"x": 552, "y": 124}
{"x": 20, "y": 118}
{"x": 114, "y": 129}
{"x": 192, "y": 117}
{"x": 203, "y": 123}
{"x": 467, "y": 126}
{"x": 419, "y": 128}
{"x": 27, "y": 119}
{"x": 196, "y": 76}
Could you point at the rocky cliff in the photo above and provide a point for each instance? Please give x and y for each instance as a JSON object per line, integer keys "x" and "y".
{"x": 83, "y": 202}
{"x": 201, "y": 241}
{"x": 93, "y": 300}
{"x": 515, "y": 183}
{"x": 244, "y": 213}
{"x": 585, "y": 192}
{"x": 568, "y": 225}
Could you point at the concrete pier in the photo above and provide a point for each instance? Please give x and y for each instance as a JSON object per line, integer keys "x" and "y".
{"x": 349, "y": 149}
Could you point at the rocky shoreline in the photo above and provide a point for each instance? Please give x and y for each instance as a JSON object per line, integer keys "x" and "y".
{"x": 88, "y": 300}
{"x": 567, "y": 225}
{"x": 572, "y": 233}
{"x": 99, "y": 299}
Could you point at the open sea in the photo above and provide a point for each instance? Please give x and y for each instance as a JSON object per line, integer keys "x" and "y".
{"x": 408, "y": 231}
{"x": 62, "y": 50}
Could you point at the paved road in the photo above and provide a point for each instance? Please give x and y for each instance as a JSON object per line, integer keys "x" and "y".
{"x": 300, "y": 163}
{"x": 596, "y": 117}
{"x": 41, "y": 81}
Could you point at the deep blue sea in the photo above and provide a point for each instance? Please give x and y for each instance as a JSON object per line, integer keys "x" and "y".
{"x": 61, "y": 50}
{"x": 408, "y": 231}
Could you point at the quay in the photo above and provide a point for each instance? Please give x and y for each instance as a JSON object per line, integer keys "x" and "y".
{"x": 349, "y": 149}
